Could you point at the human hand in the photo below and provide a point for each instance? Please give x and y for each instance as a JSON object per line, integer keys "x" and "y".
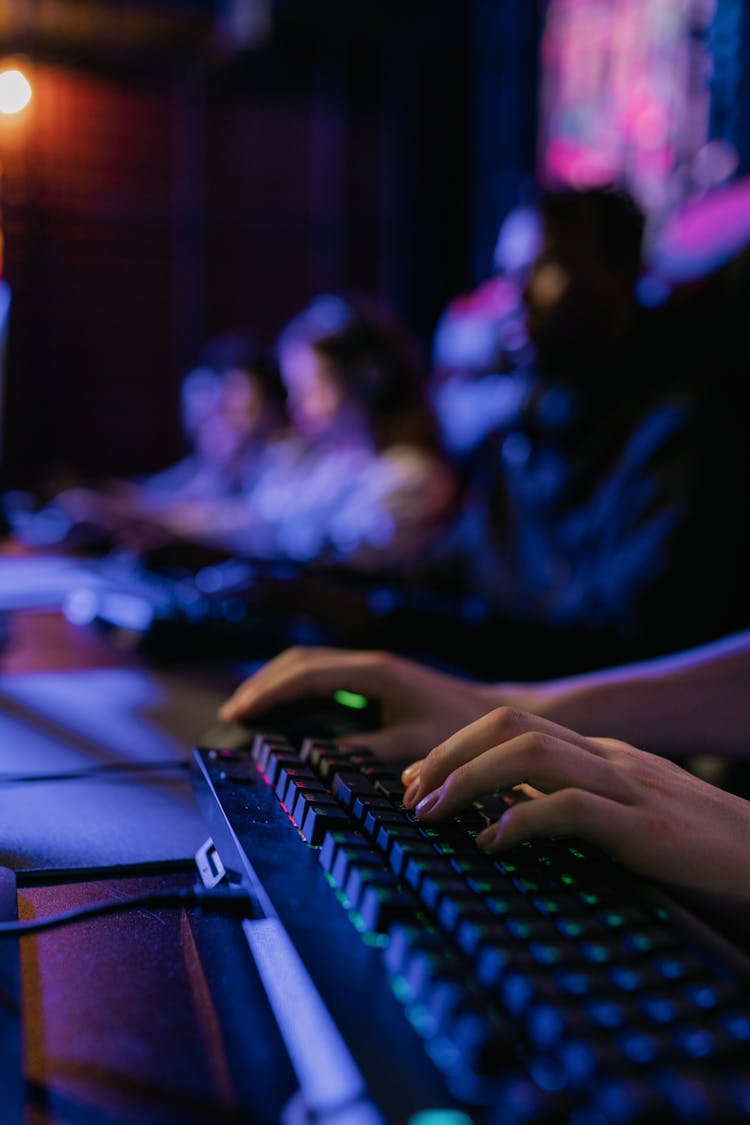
{"x": 87, "y": 505}
{"x": 419, "y": 705}
{"x": 649, "y": 814}
{"x": 113, "y": 506}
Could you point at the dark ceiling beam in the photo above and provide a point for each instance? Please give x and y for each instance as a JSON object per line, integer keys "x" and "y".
{"x": 78, "y": 28}
{"x": 220, "y": 27}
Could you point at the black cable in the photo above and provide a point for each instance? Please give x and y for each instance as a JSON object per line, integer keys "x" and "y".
{"x": 227, "y": 900}
{"x": 180, "y": 764}
{"x": 54, "y": 876}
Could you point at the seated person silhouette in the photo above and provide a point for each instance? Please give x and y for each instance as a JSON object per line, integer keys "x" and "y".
{"x": 232, "y": 406}
{"x": 360, "y": 479}
{"x": 592, "y": 521}
{"x": 480, "y": 346}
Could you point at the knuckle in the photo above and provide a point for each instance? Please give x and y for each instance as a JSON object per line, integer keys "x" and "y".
{"x": 432, "y": 765}
{"x": 638, "y": 777}
{"x": 438, "y": 753}
{"x": 613, "y": 745}
{"x": 381, "y": 660}
{"x": 534, "y": 747}
{"x": 574, "y": 803}
{"x": 507, "y": 722}
{"x": 629, "y": 787}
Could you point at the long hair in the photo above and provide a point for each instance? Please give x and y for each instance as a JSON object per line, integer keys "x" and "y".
{"x": 374, "y": 359}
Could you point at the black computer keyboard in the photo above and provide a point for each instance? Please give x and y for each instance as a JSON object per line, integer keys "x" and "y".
{"x": 541, "y": 985}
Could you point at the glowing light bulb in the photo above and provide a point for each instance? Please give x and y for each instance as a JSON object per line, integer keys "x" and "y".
{"x": 15, "y": 91}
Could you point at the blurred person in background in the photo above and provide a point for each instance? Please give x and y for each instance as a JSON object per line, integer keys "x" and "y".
{"x": 360, "y": 480}
{"x": 232, "y": 405}
{"x": 595, "y": 517}
{"x": 480, "y": 365}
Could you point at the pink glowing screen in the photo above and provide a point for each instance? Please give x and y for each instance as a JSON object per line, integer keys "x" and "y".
{"x": 625, "y": 95}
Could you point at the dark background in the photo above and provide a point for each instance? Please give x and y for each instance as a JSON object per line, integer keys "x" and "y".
{"x": 190, "y": 166}
{"x": 174, "y": 177}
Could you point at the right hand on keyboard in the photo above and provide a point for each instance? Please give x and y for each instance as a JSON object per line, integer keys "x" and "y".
{"x": 420, "y": 706}
{"x": 648, "y": 813}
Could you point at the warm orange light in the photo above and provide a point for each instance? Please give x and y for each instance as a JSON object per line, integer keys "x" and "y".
{"x": 15, "y": 91}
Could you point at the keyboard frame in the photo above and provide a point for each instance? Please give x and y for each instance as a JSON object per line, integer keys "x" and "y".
{"x": 251, "y": 833}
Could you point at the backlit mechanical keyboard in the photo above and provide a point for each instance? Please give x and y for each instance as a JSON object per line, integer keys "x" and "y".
{"x": 542, "y": 984}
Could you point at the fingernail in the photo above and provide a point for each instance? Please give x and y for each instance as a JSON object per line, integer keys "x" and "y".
{"x": 428, "y": 803}
{"x": 411, "y": 772}
{"x": 225, "y": 711}
{"x": 410, "y": 796}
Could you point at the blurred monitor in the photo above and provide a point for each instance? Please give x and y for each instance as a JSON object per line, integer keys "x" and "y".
{"x": 626, "y": 96}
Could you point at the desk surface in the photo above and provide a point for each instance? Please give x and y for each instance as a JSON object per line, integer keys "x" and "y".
{"x": 119, "y": 1023}
{"x": 71, "y": 700}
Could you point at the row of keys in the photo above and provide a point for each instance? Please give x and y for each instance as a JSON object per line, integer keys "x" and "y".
{"x": 543, "y": 940}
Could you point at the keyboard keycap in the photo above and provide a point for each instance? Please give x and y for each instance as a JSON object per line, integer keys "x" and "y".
{"x": 349, "y": 856}
{"x": 320, "y": 817}
{"x": 453, "y": 911}
{"x": 382, "y": 906}
{"x": 403, "y": 939}
{"x": 346, "y": 786}
{"x": 302, "y": 793}
{"x": 285, "y": 789}
{"x": 359, "y": 878}
{"x": 335, "y": 839}
{"x": 482, "y": 1044}
{"x": 279, "y": 761}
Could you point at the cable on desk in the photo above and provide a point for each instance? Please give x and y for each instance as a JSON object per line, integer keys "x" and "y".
{"x": 180, "y": 764}
{"x": 229, "y": 900}
{"x": 54, "y": 876}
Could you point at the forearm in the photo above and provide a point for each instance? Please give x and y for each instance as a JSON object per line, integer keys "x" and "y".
{"x": 692, "y": 702}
